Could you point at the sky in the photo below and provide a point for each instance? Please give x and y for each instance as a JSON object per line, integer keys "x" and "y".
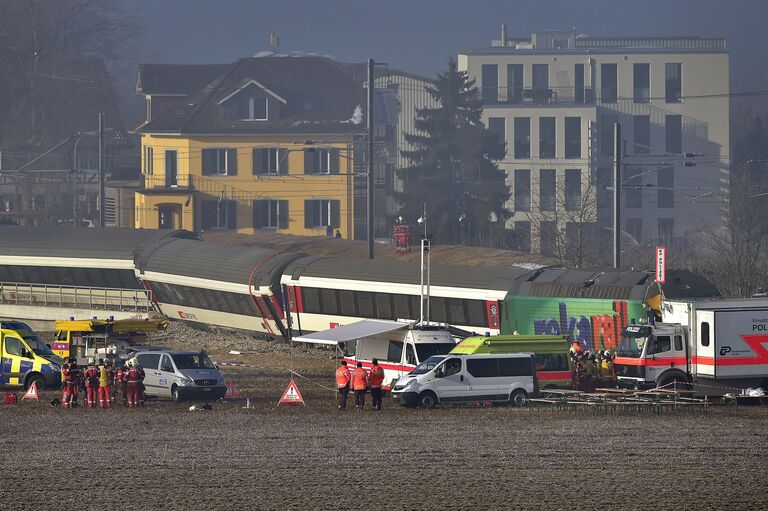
{"x": 420, "y": 35}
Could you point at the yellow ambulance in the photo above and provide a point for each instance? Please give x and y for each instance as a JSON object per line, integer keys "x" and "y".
{"x": 26, "y": 358}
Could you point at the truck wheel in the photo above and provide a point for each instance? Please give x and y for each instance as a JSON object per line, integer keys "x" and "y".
{"x": 37, "y": 380}
{"x": 175, "y": 394}
{"x": 427, "y": 399}
{"x": 673, "y": 382}
{"x": 518, "y": 398}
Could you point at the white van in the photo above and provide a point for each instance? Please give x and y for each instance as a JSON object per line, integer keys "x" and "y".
{"x": 180, "y": 375}
{"x": 466, "y": 378}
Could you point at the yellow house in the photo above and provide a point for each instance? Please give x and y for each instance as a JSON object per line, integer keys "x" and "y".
{"x": 264, "y": 143}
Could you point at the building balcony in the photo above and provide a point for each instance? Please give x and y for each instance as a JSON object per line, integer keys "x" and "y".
{"x": 524, "y": 97}
{"x": 167, "y": 183}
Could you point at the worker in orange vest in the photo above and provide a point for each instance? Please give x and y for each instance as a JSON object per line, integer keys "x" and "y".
{"x": 359, "y": 385}
{"x": 376, "y": 378}
{"x": 343, "y": 380}
{"x": 576, "y": 347}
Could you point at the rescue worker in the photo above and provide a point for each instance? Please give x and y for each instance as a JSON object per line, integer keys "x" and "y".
{"x": 64, "y": 369}
{"x": 71, "y": 383}
{"x": 576, "y": 347}
{"x": 590, "y": 368}
{"x": 376, "y": 378}
{"x": 91, "y": 382}
{"x": 343, "y": 381}
{"x": 120, "y": 380}
{"x": 359, "y": 385}
{"x": 105, "y": 383}
{"x": 134, "y": 377}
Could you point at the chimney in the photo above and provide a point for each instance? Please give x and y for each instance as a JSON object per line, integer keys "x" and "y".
{"x": 503, "y": 34}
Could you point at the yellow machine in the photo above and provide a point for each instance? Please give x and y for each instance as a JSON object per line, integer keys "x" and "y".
{"x": 100, "y": 338}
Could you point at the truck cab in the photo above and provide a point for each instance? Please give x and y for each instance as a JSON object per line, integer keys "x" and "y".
{"x": 652, "y": 356}
{"x": 26, "y": 359}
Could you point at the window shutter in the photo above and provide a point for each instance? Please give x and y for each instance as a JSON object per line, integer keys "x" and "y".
{"x": 231, "y": 214}
{"x": 283, "y": 214}
{"x": 309, "y": 161}
{"x": 334, "y": 163}
{"x": 258, "y": 161}
{"x": 282, "y": 162}
{"x": 209, "y": 162}
{"x": 260, "y": 213}
{"x": 231, "y": 162}
{"x": 309, "y": 213}
{"x": 335, "y": 214}
{"x": 208, "y": 214}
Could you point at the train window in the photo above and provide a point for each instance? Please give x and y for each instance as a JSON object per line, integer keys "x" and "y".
{"x": 477, "y": 313}
{"x": 437, "y": 309}
{"x": 384, "y": 306}
{"x": 347, "y": 301}
{"x": 402, "y": 307}
{"x": 365, "y": 304}
{"x": 328, "y": 301}
{"x": 310, "y": 298}
{"x": 415, "y": 306}
{"x": 456, "y": 311}
{"x": 704, "y": 333}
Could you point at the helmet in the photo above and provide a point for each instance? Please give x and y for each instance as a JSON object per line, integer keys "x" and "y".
{"x": 72, "y": 360}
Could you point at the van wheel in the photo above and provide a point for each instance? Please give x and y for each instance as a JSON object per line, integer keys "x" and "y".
{"x": 518, "y": 398}
{"x": 427, "y": 399}
{"x": 175, "y": 394}
{"x": 38, "y": 381}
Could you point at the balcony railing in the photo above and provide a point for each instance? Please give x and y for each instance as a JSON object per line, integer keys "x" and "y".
{"x": 181, "y": 181}
{"x": 537, "y": 97}
{"x": 108, "y": 299}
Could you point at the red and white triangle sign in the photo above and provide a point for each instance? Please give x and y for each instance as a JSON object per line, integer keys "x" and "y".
{"x": 292, "y": 394}
{"x": 31, "y": 392}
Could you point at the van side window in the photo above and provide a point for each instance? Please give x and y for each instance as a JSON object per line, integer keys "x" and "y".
{"x": 452, "y": 366}
{"x": 395, "y": 351}
{"x": 518, "y": 366}
{"x": 678, "y": 343}
{"x": 483, "y": 367}
{"x": 166, "y": 364}
{"x": 13, "y": 346}
{"x": 149, "y": 360}
{"x": 704, "y": 333}
{"x": 660, "y": 344}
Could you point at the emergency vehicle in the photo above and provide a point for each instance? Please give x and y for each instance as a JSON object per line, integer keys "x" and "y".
{"x": 553, "y": 361}
{"x": 26, "y": 359}
{"x": 717, "y": 344}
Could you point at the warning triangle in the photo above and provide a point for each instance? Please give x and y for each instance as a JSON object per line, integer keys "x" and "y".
{"x": 31, "y": 392}
{"x": 232, "y": 391}
{"x": 292, "y": 394}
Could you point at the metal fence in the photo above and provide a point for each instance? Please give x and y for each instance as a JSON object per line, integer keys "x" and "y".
{"x": 97, "y": 298}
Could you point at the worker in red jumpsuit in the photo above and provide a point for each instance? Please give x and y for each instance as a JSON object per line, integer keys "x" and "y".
{"x": 122, "y": 383}
{"x": 134, "y": 377}
{"x": 91, "y": 383}
{"x": 71, "y": 377}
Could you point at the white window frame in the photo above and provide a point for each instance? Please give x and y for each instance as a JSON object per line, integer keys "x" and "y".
{"x": 252, "y": 109}
{"x": 226, "y": 160}
{"x": 270, "y": 171}
{"x": 149, "y": 163}
{"x": 273, "y": 223}
{"x": 327, "y": 219}
{"x": 324, "y": 160}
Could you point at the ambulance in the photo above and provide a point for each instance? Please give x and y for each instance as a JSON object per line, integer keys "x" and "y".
{"x": 26, "y": 359}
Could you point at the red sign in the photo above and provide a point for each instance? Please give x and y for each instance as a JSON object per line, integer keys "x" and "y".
{"x": 292, "y": 394}
{"x": 661, "y": 264}
{"x": 31, "y": 392}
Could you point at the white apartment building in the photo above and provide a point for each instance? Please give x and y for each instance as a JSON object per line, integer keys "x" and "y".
{"x": 555, "y": 96}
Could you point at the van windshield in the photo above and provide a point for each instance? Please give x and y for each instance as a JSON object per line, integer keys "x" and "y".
{"x": 37, "y": 345}
{"x": 192, "y": 361}
{"x": 428, "y": 365}
{"x": 425, "y": 351}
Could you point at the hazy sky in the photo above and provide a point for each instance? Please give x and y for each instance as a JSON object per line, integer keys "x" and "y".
{"x": 419, "y": 35}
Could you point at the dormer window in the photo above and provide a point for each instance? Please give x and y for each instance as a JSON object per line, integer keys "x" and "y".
{"x": 250, "y": 108}
{"x": 252, "y": 101}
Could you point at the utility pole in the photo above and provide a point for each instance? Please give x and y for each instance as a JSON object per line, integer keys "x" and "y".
{"x": 101, "y": 170}
{"x": 369, "y": 195}
{"x": 617, "y": 195}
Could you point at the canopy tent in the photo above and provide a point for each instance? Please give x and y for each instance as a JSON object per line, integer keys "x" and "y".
{"x": 353, "y": 332}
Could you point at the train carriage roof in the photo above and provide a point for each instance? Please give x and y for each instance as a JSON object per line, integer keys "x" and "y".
{"x": 210, "y": 261}
{"x": 85, "y": 242}
{"x": 608, "y": 284}
{"x": 472, "y": 277}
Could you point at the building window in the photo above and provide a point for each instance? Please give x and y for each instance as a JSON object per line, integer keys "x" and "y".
{"x": 633, "y": 187}
{"x": 573, "y": 137}
{"x": 547, "y": 189}
{"x": 171, "y": 167}
{"x": 515, "y": 83}
{"x": 642, "y": 83}
{"x": 270, "y": 213}
{"x": 666, "y": 228}
{"x": 490, "y": 83}
{"x": 579, "y": 95}
{"x": 606, "y": 134}
{"x": 522, "y": 137}
{"x": 572, "y": 189}
{"x": 523, "y": 237}
{"x": 321, "y": 213}
{"x": 547, "y": 137}
{"x": 541, "y": 92}
{"x": 250, "y": 108}
{"x": 609, "y": 88}
{"x": 673, "y": 130}
{"x": 634, "y": 227}
{"x": 219, "y": 214}
{"x": 522, "y": 190}
{"x": 641, "y": 129}
{"x": 149, "y": 160}
{"x": 222, "y": 162}
{"x": 665, "y": 179}
{"x": 266, "y": 160}
{"x": 673, "y": 83}
{"x": 497, "y": 126}
{"x": 321, "y": 161}
{"x": 547, "y": 238}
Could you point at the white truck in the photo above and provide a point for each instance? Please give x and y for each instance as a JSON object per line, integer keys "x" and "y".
{"x": 717, "y": 345}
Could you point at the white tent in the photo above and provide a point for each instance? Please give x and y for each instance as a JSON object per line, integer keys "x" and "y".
{"x": 359, "y": 330}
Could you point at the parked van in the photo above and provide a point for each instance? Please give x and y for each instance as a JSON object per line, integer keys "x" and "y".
{"x": 553, "y": 361}
{"x": 180, "y": 375}
{"x": 26, "y": 358}
{"x": 452, "y": 378}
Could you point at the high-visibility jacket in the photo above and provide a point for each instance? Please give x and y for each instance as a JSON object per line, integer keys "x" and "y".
{"x": 359, "y": 379}
{"x": 376, "y": 378}
{"x": 343, "y": 378}
{"x": 105, "y": 376}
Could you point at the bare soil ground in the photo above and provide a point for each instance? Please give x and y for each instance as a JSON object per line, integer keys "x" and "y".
{"x": 162, "y": 456}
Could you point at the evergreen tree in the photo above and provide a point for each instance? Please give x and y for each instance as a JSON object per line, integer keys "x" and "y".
{"x": 452, "y": 167}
